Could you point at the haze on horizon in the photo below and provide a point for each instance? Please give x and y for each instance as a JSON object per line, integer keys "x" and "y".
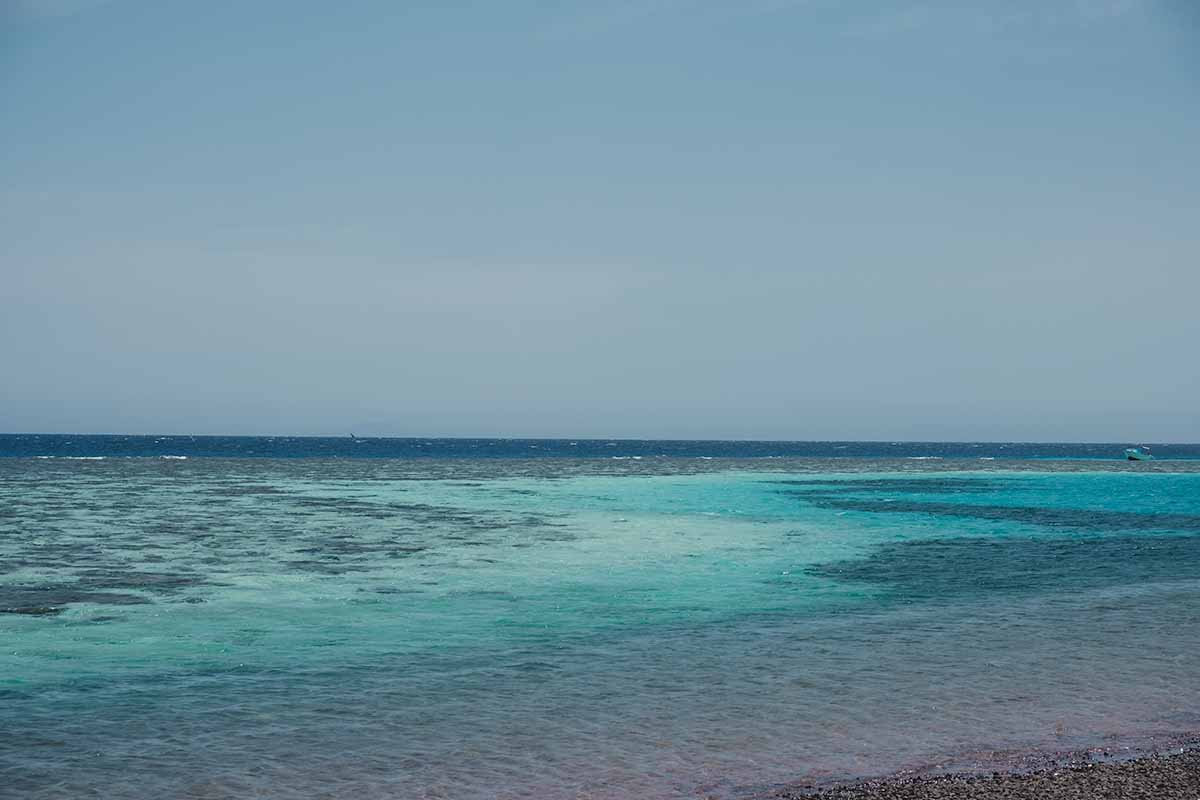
{"x": 773, "y": 219}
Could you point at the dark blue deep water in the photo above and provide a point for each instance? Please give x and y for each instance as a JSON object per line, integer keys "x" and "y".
{"x": 27, "y": 445}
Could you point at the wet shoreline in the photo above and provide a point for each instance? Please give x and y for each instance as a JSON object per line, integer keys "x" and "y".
{"x": 1160, "y": 773}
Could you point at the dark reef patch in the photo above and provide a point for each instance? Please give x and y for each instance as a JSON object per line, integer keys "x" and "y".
{"x": 1079, "y": 518}
{"x": 941, "y": 568}
{"x": 118, "y": 578}
{"x": 244, "y": 490}
{"x": 33, "y": 611}
{"x": 931, "y": 485}
{"x": 51, "y": 600}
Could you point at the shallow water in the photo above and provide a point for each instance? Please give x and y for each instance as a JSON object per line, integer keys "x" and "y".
{"x": 564, "y": 628}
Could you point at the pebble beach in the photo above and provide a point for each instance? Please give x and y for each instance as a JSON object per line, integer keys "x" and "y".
{"x": 1173, "y": 775}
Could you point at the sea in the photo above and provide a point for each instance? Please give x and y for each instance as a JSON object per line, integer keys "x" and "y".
{"x": 229, "y": 617}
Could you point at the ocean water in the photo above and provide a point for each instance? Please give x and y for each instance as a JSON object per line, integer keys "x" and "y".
{"x": 68, "y": 446}
{"x": 533, "y": 626}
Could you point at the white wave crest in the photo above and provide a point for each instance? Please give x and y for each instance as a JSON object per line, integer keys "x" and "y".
{"x": 76, "y": 458}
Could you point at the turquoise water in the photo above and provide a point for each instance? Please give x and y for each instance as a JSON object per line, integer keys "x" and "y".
{"x": 507, "y": 628}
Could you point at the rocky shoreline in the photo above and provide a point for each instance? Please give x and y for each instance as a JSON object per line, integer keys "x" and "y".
{"x": 1173, "y": 775}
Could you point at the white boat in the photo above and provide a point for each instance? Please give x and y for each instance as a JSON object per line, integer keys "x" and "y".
{"x": 1138, "y": 454}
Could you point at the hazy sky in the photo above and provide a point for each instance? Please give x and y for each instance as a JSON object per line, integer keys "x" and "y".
{"x": 872, "y": 219}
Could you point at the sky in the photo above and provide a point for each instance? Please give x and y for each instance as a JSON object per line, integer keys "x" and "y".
{"x": 769, "y": 219}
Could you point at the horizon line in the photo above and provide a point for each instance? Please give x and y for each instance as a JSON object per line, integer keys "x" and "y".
{"x": 592, "y": 438}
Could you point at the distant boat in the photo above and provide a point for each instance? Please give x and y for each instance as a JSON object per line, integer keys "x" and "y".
{"x": 1138, "y": 454}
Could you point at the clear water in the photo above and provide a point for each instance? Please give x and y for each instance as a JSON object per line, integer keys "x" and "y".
{"x": 562, "y": 628}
